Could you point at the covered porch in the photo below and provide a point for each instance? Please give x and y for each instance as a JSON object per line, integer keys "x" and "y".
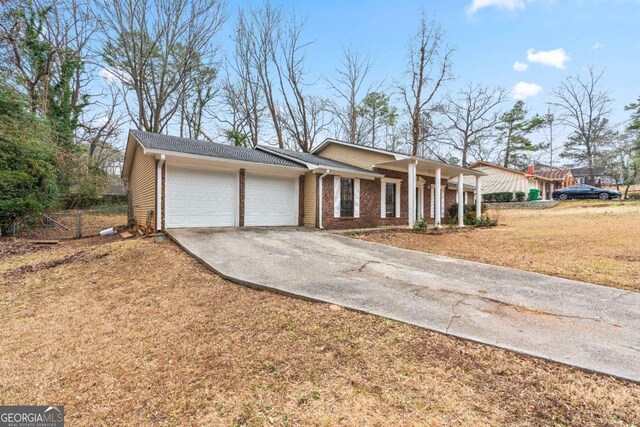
{"x": 442, "y": 173}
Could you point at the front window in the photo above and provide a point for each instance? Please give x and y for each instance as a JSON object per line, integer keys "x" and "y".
{"x": 390, "y": 200}
{"x": 346, "y": 197}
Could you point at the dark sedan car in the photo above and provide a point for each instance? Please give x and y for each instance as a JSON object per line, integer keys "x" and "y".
{"x": 585, "y": 192}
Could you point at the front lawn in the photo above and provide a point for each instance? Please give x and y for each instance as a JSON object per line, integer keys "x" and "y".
{"x": 592, "y": 241}
{"x": 131, "y": 332}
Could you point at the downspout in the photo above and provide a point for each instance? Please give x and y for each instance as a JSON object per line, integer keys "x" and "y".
{"x": 320, "y": 198}
{"x": 159, "y": 193}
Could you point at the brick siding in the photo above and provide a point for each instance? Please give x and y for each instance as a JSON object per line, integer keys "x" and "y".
{"x": 370, "y": 203}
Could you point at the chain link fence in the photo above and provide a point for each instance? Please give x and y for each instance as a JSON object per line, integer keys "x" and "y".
{"x": 69, "y": 224}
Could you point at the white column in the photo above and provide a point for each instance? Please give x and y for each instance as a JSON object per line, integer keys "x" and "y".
{"x": 460, "y": 200}
{"x": 159, "y": 193}
{"x": 438, "y": 198}
{"x": 544, "y": 190}
{"x": 478, "y": 198}
{"x": 411, "y": 171}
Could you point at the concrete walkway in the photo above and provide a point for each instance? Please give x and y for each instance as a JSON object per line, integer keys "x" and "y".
{"x": 580, "y": 324}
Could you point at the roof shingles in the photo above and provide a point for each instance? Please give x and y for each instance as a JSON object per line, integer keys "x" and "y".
{"x": 155, "y": 141}
{"x": 317, "y": 160}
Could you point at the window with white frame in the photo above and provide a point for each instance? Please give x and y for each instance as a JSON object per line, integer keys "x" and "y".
{"x": 346, "y": 197}
{"x": 390, "y": 198}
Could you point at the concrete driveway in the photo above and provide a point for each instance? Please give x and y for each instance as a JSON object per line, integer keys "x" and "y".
{"x": 580, "y": 324}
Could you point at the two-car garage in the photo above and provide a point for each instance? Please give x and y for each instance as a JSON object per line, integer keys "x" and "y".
{"x": 206, "y": 197}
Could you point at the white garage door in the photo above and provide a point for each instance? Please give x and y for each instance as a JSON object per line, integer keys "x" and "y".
{"x": 270, "y": 200}
{"x": 200, "y": 198}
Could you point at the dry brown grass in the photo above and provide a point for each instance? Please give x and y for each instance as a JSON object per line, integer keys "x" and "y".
{"x": 584, "y": 240}
{"x": 137, "y": 333}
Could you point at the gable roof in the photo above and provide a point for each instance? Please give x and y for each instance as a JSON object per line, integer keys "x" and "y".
{"x": 165, "y": 143}
{"x": 556, "y": 174}
{"x": 329, "y": 141}
{"x": 493, "y": 165}
{"x": 313, "y": 160}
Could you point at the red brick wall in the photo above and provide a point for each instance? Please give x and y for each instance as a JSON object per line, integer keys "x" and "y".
{"x": 370, "y": 203}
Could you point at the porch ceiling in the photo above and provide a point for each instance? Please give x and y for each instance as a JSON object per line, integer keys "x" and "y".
{"x": 428, "y": 167}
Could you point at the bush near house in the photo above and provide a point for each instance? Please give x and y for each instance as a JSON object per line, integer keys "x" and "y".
{"x": 501, "y": 197}
{"x": 520, "y": 196}
{"x": 469, "y": 213}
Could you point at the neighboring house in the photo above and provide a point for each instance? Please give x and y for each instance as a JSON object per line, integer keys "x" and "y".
{"x": 561, "y": 178}
{"x": 339, "y": 185}
{"x": 600, "y": 178}
{"x": 502, "y": 179}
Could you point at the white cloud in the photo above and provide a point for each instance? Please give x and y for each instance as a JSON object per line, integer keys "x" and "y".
{"x": 597, "y": 45}
{"x": 476, "y": 5}
{"x": 553, "y": 58}
{"x": 108, "y": 75}
{"x": 520, "y": 66}
{"x": 524, "y": 90}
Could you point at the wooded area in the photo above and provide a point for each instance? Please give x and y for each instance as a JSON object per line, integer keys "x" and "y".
{"x": 77, "y": 73}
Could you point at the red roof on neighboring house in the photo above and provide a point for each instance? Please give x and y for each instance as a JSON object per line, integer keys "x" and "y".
{"x": 558, "y": 174}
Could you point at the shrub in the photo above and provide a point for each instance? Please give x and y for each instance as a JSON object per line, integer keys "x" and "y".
{"x": 500, "y": 197}
{"x": 520, "y": 196}
{"x": 420, "y": 225}
{"x": 467, "y": 209}
{"x": 485, "y": 221}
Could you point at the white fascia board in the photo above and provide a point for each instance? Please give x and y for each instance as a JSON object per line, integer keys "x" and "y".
{"x": 328, "y": 141}
{"x": 346, "y": 173}
{"x": 230, "y": 162}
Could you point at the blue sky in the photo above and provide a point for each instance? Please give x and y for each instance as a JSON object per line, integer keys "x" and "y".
{"x": 488, "y": 41}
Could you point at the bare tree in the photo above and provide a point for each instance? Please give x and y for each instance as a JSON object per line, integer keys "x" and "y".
{"x": 471, "y": 117}
{"x": 200, "y": 90}
{"x": 244, "y": 93}
{"x": 303, "y": 117}
{"x": 348, "y": 86}
{"x": 428, "y": 68}
{"x": 259, "y": 36}
{"x": 153, "y": 48}
{"x": 584, "y": 108}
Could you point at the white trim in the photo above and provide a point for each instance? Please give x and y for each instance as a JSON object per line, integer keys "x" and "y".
{"x": 317, "y": 168}
{"x": 460, "y": 199}
{"x": 296, "y": 220}
{"x": 336, "y": 196}
{"x": 411, "y": 193}
{"x": 420, "y": 198}
{"x": 438, "y": 197}
{"x": 383, "y": 196}
{"x": 159, "y": 193}
{"x": 237, "y": 209}
{"x": 478, "y": 198}
{"x": 241, "y": 163}
{"x": 346, "y": 173}
{"x": 432, "y": 200}
{"x": 356, "y": 198}
{"x": 383, "y": 205}
{"x": 397, "y": 156}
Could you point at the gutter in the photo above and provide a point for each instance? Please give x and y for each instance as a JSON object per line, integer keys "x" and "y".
{"x": 159, "y": 193}
{"x": 320, "y": 178}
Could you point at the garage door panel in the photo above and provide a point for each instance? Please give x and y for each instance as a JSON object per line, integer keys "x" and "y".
{"x": 270, "y": 200}
{"x": 200, "y": 198}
